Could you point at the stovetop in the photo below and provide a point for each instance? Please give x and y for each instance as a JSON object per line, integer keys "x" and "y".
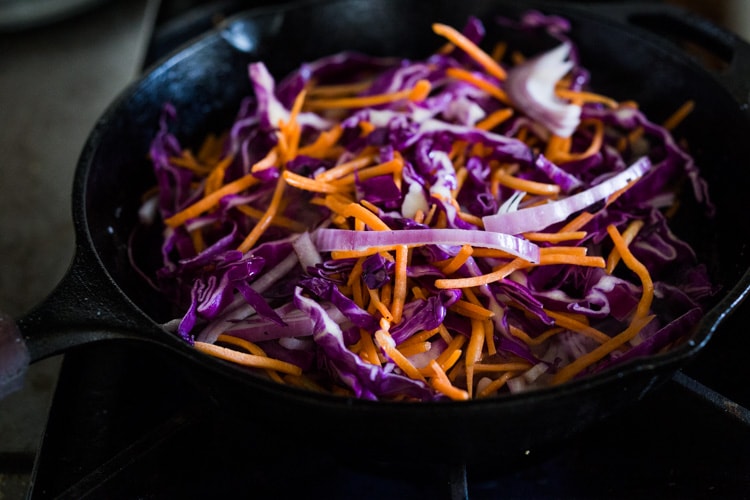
{"x": 125, "y": 424}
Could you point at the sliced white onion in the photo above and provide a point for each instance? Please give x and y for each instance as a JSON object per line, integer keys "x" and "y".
{"x": 330, "y": 240}
{"x": 540, "y": 217}
{"x": 531, "y": 88}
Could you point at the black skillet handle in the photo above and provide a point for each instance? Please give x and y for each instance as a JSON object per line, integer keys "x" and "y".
{"x": 722, "y": 53}
{"x": 85, "y": 307}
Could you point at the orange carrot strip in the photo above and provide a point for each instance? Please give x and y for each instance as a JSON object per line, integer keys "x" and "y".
{"x": 323, "y": 143}
{"x": 489, "y": 336}
{"x": 188, "y": 161}
{"x": 278, "y": 220}
{"x": 445, "y": 334}
{"x": 454, "y": 344}
{"x": 538, "y": 340}
{"x": 385, "y": 342}
{"x": 252, "y": 348}
{"x": 199, "y": 244}
{"x": 644, "y": 305}
{"x": 594, "y": 147}
{"x": 399, "y": 283}
{"x": 581, "y": 96}
{"x": 531, "y": 187}
{"x": 494, "y": 119}
{"x": 471, "y": 49}
{"x": 501, "y": 367}
{"x": 470, "y": 310}
{"x": 417, "y": 93}
{"x": 441, "y": 383}
{"x": 215, "y": 179}
{"x": 344, "y": 169}
{"x": 268, "y": 161}
{"x": 419, "y": 337}
{"x": 251, "y": 360}
{"x": 565, "y": 321}
{"x": 495, "y": 385}
{"x": 560, "y": 250}
{"x": 376, "y": 303}
{"x": 210, "y": 201}
{"x": 498, "y": 52}
{"x": 414, "y": 348}
{"x": 568, "y": 372}
{"x": 260, "y": 227}
{"x": 307, "y": 184}
{"x": 555, "y": 237}
{"x": 679, "y": 115}
{"x": 627, "y": 236}
{"x": 484, "y": 279}
{"x": 388, "y": 167}
{"x": 474, "y": 352}
{"x": 458, "y": 260}
{"x": 368, "y": 346}
{"x": 478, "y": 82}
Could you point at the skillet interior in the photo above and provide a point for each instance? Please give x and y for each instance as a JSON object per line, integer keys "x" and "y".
{"x": 206, "y": 81}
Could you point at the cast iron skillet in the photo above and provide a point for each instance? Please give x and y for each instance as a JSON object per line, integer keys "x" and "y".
{"x": 101, "y": 298}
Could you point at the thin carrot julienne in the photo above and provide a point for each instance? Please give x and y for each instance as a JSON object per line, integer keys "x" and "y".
{"x": 481, "y": 57}
{"x": 417, "y": 93}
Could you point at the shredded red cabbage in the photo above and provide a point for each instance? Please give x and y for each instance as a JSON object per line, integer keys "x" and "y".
{"x": 435, "y": 252}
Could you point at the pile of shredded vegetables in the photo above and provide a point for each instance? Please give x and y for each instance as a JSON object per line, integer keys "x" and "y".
{"x": 474, "y": 223}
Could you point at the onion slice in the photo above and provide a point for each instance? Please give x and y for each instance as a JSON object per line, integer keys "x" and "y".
{"x": 329, "y": 240}
{"x": 542, "y": 216}
{"x": 531, "y": 88}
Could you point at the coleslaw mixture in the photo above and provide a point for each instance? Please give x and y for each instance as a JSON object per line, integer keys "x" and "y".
{"x": 475, "y": 223}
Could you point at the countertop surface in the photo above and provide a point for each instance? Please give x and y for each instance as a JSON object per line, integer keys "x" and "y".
{"x": 55, "y": 82}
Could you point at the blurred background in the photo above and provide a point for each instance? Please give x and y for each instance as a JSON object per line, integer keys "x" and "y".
{"x": 61, "y": 63}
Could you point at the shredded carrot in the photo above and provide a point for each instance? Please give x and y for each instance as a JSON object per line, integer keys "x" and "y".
{"x": 474, "y": 352}
{"x": 377, "y": 304}
{"x": 495, "y": 118}
{"x": 368, "y": 347}
{"x": 470, "y": 310}
{"x": 478, "y": 82}
{"x": 627, "y": 236}
{"x": 495, "y": 385}
{"x": 581, "y": 363}
{"x": 555, "y": 237}
{"x": 307, "y": 184}
{"x": 268, "y": 161}
{"x": 265, "y": 221}
{"x": 251, "y": 360}
{"x": 399, "y": 283}
{"x": 385, "y": 342}
{"x": 566, "y": 321}
{"x": 501, "y": 367}
{"x": 531, "y": 187}
{"x": 338, "y": 90}
{"x": 278, "y": 220}
{"x": 216, "y": 177}
{"x": 414, "y": 348}
{"x": 417, "y": 93}
{"x": 489, "y": 336}
{"x": 644, "y": 305}
{"x": 323, "y": 144}
{"x": 442, "y": 383}
{"x": 581, "y": 97}
{"x": 210, "y": 201}
{"x": 344, "y": 169}
{"x": 471, "y": 49}
{"x": 682, "y": 112}
{"x": 538, "y": 340}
